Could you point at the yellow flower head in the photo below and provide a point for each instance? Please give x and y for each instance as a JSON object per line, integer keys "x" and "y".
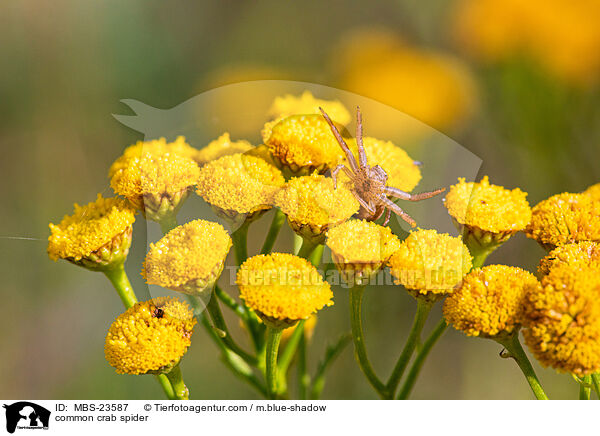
{"x": 239, "y": 184}
{"x": 565, "y": 218}
{"x": 560, "y": 35}
{"x": 189, "y": 258}
{"x": 150, "y": 337}
{"x": 282, "y": 288}
{"x": 312, "y": 205}
{"x": 302, "y": 144}
{"x": 222, "y": 146}
{"x": 359, "y": 248}
{"x": 430, "y": 264}
{"x": 96, "y": 236}
{"x": 594, "y": 191}
{"x": 576, "y": 255}
{"x": 563, "y": 320}
{"x": 154, "y": 176}
{"x": 489, "y": 301}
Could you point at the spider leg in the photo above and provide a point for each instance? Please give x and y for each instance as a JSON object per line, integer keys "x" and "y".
{"x": 362, "y": 156}
{"x": 364, "y": 204}
{"x": 388, "y": 214}
{"x": 395, "y": 192}
{"x": 397, "y": 210}
{"x": 335, "y": 172}
{"x": 340, "y": 140}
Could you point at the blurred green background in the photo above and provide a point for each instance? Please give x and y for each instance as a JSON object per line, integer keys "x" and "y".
{"x": 516, "y": 88}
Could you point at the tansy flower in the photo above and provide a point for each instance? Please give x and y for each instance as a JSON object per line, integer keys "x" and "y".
{"x": 239, "y": 186}
{"x": 580, "y": 254}
{"x": 430, "y": 86}
{"x": 312, "y": 205}
{"x": 189, "y": 258}
{"x": 594, "y": 191}
{"x": 562, "y": 317}
{"x": 561, "y": 35}
{"x": 302, "y": 144}
{"x": 154, "y": 177}
{"x": 489, "y": 302}
{"x": 287, "y": 105}
{"x": 222, "y": 146}
{"x": 97, "y": 236}
{"x": 282, "y": 288}
{"x": 490, "y": 214}
{"x": 150, "y": 337}
{"x": 565, "y": 218}
{"x": 429, "y": 264}
{"x": 360, "y": 248}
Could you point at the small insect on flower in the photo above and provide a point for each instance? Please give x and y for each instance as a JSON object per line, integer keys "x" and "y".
{"x": 370, "y": 182}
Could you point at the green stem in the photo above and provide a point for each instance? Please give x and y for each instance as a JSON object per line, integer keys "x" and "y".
{"x": 217, "y": 317}
{"x": 165, "y": 383}
{"x": 302, "y": 372}
{"x": 317, "y": 255}
{"x": 176, "y": 379}
{"x": 240, "y": 243}
{"x": 273, "y": 339}
{"x": 360, "y": 352}
{"x": 278, "y": 220}
{"x": 306, "y": 249}
{"x": 423, "y": 309}
{"x": 290, "y": 349}
{"x": 415, "y": 369}
{"x": 585, "y": 390}
{"x": 168, "y": 223}
{"x": 298, "y": 241}
{"x": 330, "y": 355}
{"x": 596, "y": 383}
{"x": 120, "y": 281}
{"x": 514, "y": 348}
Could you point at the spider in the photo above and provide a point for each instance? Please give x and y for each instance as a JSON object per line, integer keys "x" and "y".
{"x": 370, "y": 182}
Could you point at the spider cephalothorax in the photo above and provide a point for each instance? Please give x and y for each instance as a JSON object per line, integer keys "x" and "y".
{"x": 370, "y": 182}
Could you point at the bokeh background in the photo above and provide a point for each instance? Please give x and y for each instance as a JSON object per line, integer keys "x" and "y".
{"x": 515, "y": 83}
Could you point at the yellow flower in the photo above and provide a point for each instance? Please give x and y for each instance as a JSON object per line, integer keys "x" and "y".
{"x": 563, "y": 320}
{"x": 282, "y": 288}
{"x": 222, "y": 146}
{"x": 96, "y": 236}
{"x": 429, "y": 264}
{"x": 576, "y": 255}
{"x": 489, "y": 302}
{"x": 561, "y": 35}
{"x": 360, "y": 248}
{"x": 302, "y": 144}
{"x": 189, "y": 258}
{"x": 239, "y": 185}
{"x": 312, "y": 205}
{"x": 594, "y": 191}
{"x": 432, "y": 87}
{"x": 155, "y": 176}
{"x": 565, "y": 218}
{"x": 488, "y": 214}
{"x": 150, "y": 337}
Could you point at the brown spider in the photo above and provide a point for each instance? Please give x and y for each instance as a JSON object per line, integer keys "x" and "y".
{"x": 370, "y": 182}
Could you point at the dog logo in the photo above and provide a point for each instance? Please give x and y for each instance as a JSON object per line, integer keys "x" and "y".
{"x": 26, "y": 415}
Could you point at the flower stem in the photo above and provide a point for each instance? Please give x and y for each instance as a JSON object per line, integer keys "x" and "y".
{"x": 585, "y": 390}
{"x": 360, "y": 352}
{"x": 415, "y": 369}
{"x": 240, "y": 243}
{"x": 513, "y": 346}
{"x": 273, "y": 339}
{"x": 278, "y": 220}
{"x": 596, "y": 383}
{"x": 423, "y": 309}
{"x": 302, "y": 372}
{"x": 118, "y": 278}
{"x": 176, "y": 379}
{"x": 306, "y": 249}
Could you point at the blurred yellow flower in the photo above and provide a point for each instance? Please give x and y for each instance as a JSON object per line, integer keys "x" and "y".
{"x": 312, "y": 205}
{"x": 594, "y": 191}
{"x": 489, "y": 302}
{"x": 189, "y": 258}
{"x": 222, "y": 146}
{"x": 430, "y": 264}
{"x": 96, "y": 236}
{"x": 565, "y": 218}
{"x": 155, "y": 177}
{"x": 561, "y": 35}
{"x": 239, "y": 184}
{"x": 360, "y": 248}
{"x": 282, "y": 288}
{"x": 576, "y": 255}
{"x": 432, "y": 87}
{"x": 563, "y": 320}
{"x": 150, "y": 337}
